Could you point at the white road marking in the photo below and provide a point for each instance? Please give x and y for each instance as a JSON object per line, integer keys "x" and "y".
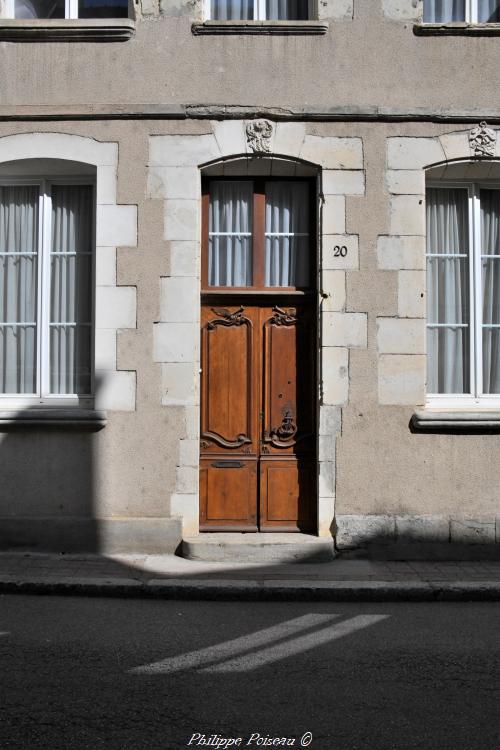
{"x": 4, "y": 633}
{"x": 296, "y": 646}
{"x": 201, "y": 657}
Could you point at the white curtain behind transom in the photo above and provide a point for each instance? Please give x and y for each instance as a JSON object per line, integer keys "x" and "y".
{"x": 444, "y": 11}
{"x": 287, "y": 234}
{"x": 448, "y": 368}
{"x": 488, "y": 11}
{"x": 490, "y": 247}
{"x": 232, "y": 10}
{"x": 18, "y": 282}
{"x": 71, "y": 285}
{"x": 230, "y": 233}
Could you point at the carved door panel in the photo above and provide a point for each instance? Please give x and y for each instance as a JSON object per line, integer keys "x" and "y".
{"x": 257, "y": 461}
{"x": 287, "y": 466}
{"x": 229, "y": 443}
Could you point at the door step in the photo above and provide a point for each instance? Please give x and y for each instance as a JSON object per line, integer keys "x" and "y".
{"x": 258, "y": 548}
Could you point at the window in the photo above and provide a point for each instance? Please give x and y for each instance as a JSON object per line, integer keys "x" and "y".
{"x": 463, "y": 293}
{"x": 46, "y": 282}
{"x": 470, "y": 11}
{"x": 31, "y": 9}
{"x": 259, "y": 10}
{"x": 257, "y": 234}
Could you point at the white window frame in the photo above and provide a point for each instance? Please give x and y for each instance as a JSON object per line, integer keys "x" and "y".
{"x": 475, "y": 398}
{"x": 471, "y": 13}
{"x": 259, "y": 11}
{"x": 70, "y": 9}
{"x": 43, "y": 396}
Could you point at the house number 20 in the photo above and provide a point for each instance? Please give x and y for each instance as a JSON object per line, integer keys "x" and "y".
{"x": 339, "y": 251}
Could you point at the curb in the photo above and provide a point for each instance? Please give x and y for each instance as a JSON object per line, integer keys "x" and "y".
{"x": 231, "y": 590}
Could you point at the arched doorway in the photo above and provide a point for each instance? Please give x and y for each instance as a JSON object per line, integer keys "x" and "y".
{"x": 258, "y": 348}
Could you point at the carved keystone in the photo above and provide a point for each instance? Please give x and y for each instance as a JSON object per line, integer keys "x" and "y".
{"x": 482, "y": 140}
{"x": 259, "y": 133}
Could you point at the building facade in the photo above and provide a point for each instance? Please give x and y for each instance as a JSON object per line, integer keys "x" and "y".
{"x": 249, "y": 273}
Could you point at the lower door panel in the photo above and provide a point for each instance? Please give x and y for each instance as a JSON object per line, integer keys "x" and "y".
{"x": 228, "y": 494}
{"x": 287, "y": 494}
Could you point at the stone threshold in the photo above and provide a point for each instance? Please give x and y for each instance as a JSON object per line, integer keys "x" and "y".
{"x": 258, "y": 547}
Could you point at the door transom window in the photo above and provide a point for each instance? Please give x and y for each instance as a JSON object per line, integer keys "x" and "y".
{"x": 257, "y": 234}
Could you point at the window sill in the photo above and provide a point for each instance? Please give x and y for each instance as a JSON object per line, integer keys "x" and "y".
{"x": 429, "y": 420}
{"x": 260, "y": 27}
{"x": 459, "y": 28}
{"x": 78, "y": 420}
{"x": 66, "y": 30}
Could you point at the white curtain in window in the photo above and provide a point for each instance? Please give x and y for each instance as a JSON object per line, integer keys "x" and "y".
{"x": 230, "y": 233}
{"x": 488, "y": 11}
{"x": 490, "y": 247}
{"x": 448, "y": 368}
{"x": 232, "y": 10}
{"x": 287, "y": 10}
{"x": 18, "y": 282}
{"x": 287, "y": 234}
{"x": 444, "y": 11}
{"x": 71, "y": 289}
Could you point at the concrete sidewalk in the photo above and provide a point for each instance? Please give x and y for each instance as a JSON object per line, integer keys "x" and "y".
{"x": 172, "y": 577}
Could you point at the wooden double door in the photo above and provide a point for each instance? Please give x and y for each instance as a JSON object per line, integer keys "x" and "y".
{"x": 258, "y": 416}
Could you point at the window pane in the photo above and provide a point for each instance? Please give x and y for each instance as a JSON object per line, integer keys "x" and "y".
{"x": 488, "y": 11}
{"x": 448, "y": 360}
{"x": 71, "y": 288}
{"x": 287, "y": 248}
{"x": 232, "y": 10}
{"x": 230, "y": 233}
{"x": 70, "y": 356}
{"x": 448, "y": 290}
{"x": 287, "y": 10}
{"x": 490, "y": 247}
{"x": 444, "y": 11}
{"x": 491, "y": 360}
{"x": 102, "y": 8}
{"x": 18, "y": 281}
{"x": 39, "y": 9}
{"x": 490, "y": 252}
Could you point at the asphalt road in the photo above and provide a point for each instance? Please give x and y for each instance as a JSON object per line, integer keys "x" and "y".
{"x": 141, "y": 675}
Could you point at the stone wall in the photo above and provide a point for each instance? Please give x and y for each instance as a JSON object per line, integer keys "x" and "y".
{"x": 136, "y": 479}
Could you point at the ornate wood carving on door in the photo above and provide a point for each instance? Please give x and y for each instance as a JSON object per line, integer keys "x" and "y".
{"x": 258, "y": 353}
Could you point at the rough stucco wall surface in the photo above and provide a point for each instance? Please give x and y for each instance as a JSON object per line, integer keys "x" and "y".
{"x": 353, "y": 65}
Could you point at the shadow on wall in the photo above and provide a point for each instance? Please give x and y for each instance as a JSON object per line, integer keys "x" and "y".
{"x": 47, "y": 488}
{"x": 416, "y": 538}
{"x": 51, "y": 493}
{"x": 47, "y": 465}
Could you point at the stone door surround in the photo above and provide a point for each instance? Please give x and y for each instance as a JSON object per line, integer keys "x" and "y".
{"x": 174, "y": 176}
